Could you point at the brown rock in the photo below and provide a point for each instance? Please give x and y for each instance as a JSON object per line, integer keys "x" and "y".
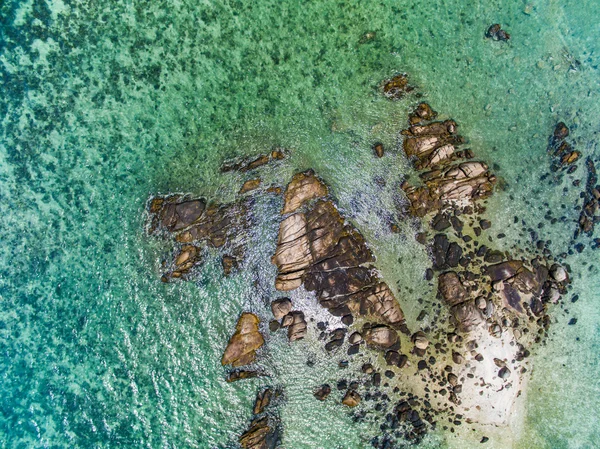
{"x": 303, "y": 187}
{"x": 229, "y": 263}
{"x": 351, "y": 398}
{"x": 378, "y": 149}
{"x": 281, "y": 307}
{"x": 381, "y": 337}
{"x": 243, "y": 344}
{"x": 263, "y": 399}
{"x": 396, "y": 87}
{"x": 251, "y": 184}
{"x": 451, "y": 289}
{"x": 297, "y": 327}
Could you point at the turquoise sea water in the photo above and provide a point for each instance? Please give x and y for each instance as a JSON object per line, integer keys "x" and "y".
{"x": 104, "y": 104}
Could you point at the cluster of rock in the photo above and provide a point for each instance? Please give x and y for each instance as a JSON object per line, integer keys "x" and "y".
{"x": 285, "y": 317}
{"x": 194, "y": 224}
{"x": 264, "y": 431}
{"x": 496, "y": 33}
{"x": 396, "y": 87}
{"x": 449, "y": 177}
{"x": 318, "y": 249}
{"x": 589, "y": 215}
{"x": 562, "y": 152}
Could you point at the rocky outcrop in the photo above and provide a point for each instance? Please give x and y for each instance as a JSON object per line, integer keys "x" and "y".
{"x": 396, "y": 87}
{"x": 194, "y": 224}
{"x": 466, "y": 316}
{"x": 562, "y": 152}
{"x": 297, "y": 326}
{"x": 243, "y": 344}
{"x": 281, "y": 307}
{"x": 447, "y": 182}
{"x": 590, "y": 213}
{"x": 253, "y": 163}
{"x": 317, "y": 248}
{"x": 264, "y": 431}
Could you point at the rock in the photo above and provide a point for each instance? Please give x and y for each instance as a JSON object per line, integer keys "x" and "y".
{"x": 457, "y": 358}
{"x": 322, "y": 392}
{"x": 558, "y": 273}
{"x": 297, "y": 328}
{"x": 466, "y": 316}
{"x": 243, "y": 344}
{"x": 303, "y": 187}
{"x": 318, "y": 249}
{"x": 351, "y": 398}
{"x": 287, "y": 320}
{"x": 355, "y": 339}
{"x": 496, "y": 33}
{"x": 347, "y": 319}
{"x": 392, "y": 357}
{"x": 480, "y": 302}
{"x": 504, "y": 373}
{"x": 451, "y": 289}
{"x": 561, "y": 131}
{"x": 378, "y": 149}
{"x": 274, "y": 325}
{"x": 262, "y": 434}
{"x": 263, "y": 399}
{"x": 381, "y": 337}
{"x": 452, "y": 379}
{"x": 281, "y": 307}
{"x": 504, "y": 270}
{"x": 236, "y": 375}
{"x": 396, "y": 87}
{"x": 253, "y": 163}
{"x": 496, "y": 331}
{"x": 229, "y": 263}
{"x": 367, "y": 368}
{"x": 420, "y": 340}
{"x": 421, "y": 113}
{"x": 248, "y": 186}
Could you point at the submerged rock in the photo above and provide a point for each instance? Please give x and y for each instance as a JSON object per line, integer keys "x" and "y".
{"x": 396, "y": 87}
{"x": 253, "y": 163}
{"x": 262, "y": 434}
{"x": 381, "y": 337}
{"x": 496, "y": 32}
{"x": 243, "y": 344}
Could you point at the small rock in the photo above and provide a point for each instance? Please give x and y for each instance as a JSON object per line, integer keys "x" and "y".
{"x": 351, "y": 398}
{"x": 322, "y": 392}
{"x": 504, "y": 373}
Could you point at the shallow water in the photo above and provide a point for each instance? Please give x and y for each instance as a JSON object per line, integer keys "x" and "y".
{"x": 105, "y": 104}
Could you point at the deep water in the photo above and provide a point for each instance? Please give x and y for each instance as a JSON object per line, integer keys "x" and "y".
{"x": 106, "y": 103}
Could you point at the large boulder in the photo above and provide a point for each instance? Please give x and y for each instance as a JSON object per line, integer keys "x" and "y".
{"x": 281, "y": 307}
{"x": 451, "y": 289}
{"x": 381, "y": 337}
{"x": 467, "y": 316}
{"x": 263, "y": 433}
{"x": 243, "y": 344}
{"x": 297, "y": 327}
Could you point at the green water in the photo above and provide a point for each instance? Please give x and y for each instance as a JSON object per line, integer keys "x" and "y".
{"x": 104, "y": 104}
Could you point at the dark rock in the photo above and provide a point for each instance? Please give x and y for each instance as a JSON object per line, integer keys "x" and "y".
{"x": 322, "y": 392}
{"x": 378, "y": 149}
{"x": 281, "y": 307}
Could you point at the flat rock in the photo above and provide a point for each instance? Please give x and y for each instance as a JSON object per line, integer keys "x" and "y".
{"x": 243, "y": 344}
